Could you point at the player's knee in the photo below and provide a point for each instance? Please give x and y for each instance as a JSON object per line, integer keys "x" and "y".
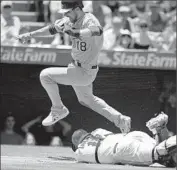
{"x": 44, "y": 74}
{"x": 86, "y": 100}
{"x": 83, "y": 101}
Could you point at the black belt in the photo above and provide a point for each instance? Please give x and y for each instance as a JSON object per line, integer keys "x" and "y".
{"x": 80, "y": 65}
{"x": 153, "y": 156}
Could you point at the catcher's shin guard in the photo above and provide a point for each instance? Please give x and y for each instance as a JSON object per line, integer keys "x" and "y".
{"x": 165, "y": 152}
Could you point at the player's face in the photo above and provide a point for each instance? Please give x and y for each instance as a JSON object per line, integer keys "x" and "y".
{"x": 71, "y": 15}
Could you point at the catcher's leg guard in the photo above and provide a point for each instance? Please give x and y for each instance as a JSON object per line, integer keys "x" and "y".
{"x": 165, "y": 151}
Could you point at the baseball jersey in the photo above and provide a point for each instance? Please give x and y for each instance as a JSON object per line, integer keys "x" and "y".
{"x": 133, "y": 148}
{"x": 86, "y": 49}
{"x": 86, "y": 150}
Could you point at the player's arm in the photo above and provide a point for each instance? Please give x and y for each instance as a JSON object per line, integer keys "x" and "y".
{"x": 83, "y": 154}
{"x": 80, "y": 155}
{"x": 86, "y": 32}
{"x": 92, "y": 28}
{"x": 91, "y": 31}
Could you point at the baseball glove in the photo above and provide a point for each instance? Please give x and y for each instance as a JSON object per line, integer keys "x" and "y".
{"x": 60, "y": 24}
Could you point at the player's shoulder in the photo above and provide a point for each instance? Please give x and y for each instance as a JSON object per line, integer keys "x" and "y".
{"x": 90, "y": 19}
{"x": 90, "y": 16}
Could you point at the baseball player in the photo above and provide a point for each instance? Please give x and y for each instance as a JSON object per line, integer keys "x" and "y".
{"x": 87, "y": 39}
{"x": 134, "y": 148}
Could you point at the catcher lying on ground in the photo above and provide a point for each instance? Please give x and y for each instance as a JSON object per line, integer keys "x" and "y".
{"x": 134, "y": 148}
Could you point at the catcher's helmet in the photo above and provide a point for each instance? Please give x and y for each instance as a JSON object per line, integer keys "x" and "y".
{"x": 78, "y": 136}
{"x": 68, "y": 5}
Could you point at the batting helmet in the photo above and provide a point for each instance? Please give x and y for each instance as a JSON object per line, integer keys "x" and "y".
{"x": 68, "y": 5}
{"x": 77, "y": 137}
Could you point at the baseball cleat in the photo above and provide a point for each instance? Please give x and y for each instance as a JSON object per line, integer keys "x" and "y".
{"x": 55, "y": 115}
{"x": 157, "y": 122}
{"x": 124, "y": 123}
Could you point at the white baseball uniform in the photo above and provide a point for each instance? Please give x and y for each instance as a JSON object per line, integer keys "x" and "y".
{"x": 84, "y": 51}
{"x": 134, "y": 148}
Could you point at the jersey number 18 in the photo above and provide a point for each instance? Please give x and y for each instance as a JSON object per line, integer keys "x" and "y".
{"x": 80, "y": 45}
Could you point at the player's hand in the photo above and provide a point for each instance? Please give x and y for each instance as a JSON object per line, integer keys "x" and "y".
{"x": 60, "y": 24}
{"x": 125, "y": 124}
{"x": 70, "y": 31}
{"x": 24, "y": 38}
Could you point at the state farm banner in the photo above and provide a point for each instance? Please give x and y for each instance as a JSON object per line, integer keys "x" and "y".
{"x": 138, "y": 59}
{"x": 33, "y": 55}
{"x": 62, "y": 57}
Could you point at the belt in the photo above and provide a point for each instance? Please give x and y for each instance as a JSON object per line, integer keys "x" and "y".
{"x": 82, "y": 65}
{"x": 153, "y": 156}
{"x": 96, "y": 151}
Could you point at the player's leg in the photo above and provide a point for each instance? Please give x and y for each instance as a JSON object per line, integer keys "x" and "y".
{"x": 165, "y": 151}
{"x": 85, "y": 97}
{"x": 50, "y": 78}
{"x": 157, "y": 126}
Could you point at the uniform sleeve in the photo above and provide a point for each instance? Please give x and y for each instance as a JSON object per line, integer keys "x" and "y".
{"x": 86, "y": 150}
{"x": 85, "y": 154}
{"x": 81, "y": 154}
{"x": 93, "y": 24}
{"x": 92, "y": 21}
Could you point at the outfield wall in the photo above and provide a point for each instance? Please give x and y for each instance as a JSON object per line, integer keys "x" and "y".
{"x": 133, "y": 92}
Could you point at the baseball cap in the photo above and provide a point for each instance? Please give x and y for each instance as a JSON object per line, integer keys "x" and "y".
{"x": 69, "y": 5}
{"x": 6, "y": 3}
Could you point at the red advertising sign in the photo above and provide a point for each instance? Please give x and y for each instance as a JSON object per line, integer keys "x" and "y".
{"x": 62, "y": 57}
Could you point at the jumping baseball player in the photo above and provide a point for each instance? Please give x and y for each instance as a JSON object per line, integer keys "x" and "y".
{"x": 134, "y": 148}
{"x": 87, "y": 39}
